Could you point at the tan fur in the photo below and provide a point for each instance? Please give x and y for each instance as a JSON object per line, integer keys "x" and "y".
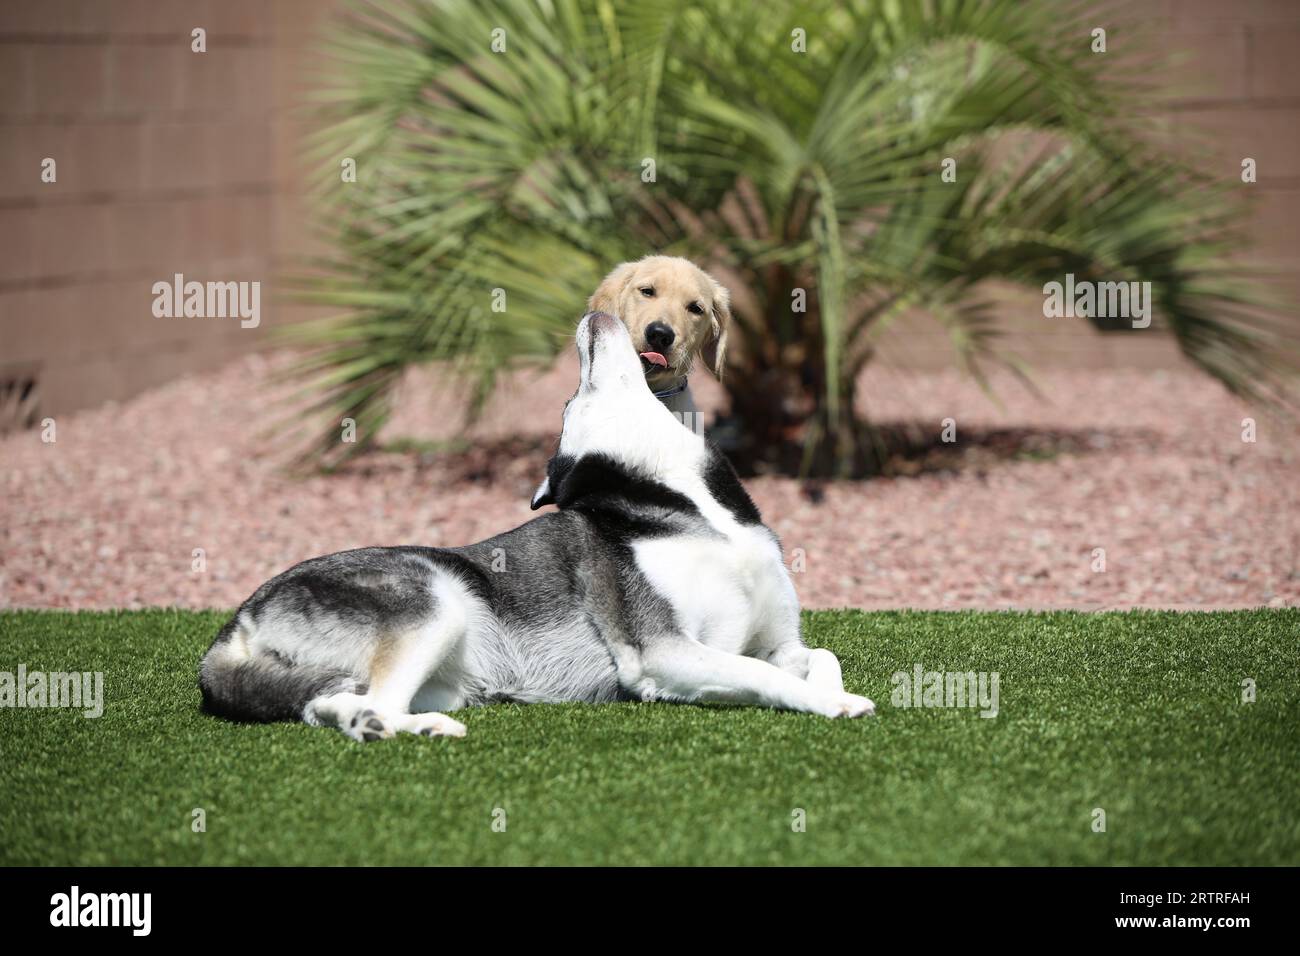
{"x": 384, "y": 659}
{"x": 676, "y": 284}
{"x": 390, "y": 671}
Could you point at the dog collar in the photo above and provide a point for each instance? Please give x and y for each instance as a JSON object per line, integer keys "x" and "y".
{"x": 674, "y": 390}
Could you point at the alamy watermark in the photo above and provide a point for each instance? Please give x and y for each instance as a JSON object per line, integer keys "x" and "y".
{"x": 692, "y": 420}
{"x": 82, "y": 691}
{"x": 208, "y": 300}
{"x": 75, "y": 908}
{"x": 1101, "y": 300}
{"x": 922, "y": 688}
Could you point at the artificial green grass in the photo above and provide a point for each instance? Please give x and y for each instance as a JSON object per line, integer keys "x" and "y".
{"x": 1139, "y": 714}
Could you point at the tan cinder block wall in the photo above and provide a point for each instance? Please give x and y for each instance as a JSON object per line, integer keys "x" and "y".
{"x": 167, "y": 160}
{"x": 173, "y": 161}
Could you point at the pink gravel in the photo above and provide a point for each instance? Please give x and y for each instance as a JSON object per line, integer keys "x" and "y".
{"x": 1150, "y": 466}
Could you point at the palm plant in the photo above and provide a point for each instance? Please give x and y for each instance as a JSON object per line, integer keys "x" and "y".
{"x": 509, "y": 152}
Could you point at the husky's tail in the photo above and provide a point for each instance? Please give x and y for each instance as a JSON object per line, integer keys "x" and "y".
{"x": 260, "y": 688}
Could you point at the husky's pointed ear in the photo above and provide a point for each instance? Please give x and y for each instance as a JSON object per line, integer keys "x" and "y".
{"x": 715, "y": 350}
{"x": 549, "y": 492}
{"x": 542, "y": 496}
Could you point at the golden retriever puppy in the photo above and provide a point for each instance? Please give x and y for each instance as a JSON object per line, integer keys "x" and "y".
{"x": 675, "y": 312}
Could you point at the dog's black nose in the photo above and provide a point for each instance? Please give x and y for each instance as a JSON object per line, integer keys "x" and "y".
{"x": 659, "y": 336}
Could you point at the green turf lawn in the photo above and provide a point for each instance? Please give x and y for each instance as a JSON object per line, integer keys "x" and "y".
{"x": 1139, "y": 714}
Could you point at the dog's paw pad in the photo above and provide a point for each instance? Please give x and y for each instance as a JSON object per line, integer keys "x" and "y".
{"x": 368, "y": 726}
{"x": 437, "y": 725}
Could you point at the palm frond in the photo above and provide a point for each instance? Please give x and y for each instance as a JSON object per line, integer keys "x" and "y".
{"x": 496, "y": 186}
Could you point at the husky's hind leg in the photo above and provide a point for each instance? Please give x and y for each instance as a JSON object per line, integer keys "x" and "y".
{"x": 355, "y": 715}
{"x": 402, "y": 663}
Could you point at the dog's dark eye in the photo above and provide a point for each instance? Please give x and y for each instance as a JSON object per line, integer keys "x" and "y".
{"x": 694, "y": 309}
{"x": 648, "y": 291}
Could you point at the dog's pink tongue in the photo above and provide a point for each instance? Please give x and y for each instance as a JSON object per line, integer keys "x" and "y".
{"x": 654, "y": 358}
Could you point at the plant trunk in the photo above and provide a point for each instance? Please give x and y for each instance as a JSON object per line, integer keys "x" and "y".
{"x": 782, "y": 420}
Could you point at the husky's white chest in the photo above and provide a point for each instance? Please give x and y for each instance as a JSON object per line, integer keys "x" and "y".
{"x": 726, "y": 592}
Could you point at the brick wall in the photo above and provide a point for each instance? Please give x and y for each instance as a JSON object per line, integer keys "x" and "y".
{"x": 173, "y": 161}
{"x": 167, "y": 160}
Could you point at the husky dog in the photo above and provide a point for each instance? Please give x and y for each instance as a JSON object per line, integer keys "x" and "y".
{"x": 655, "y": 580}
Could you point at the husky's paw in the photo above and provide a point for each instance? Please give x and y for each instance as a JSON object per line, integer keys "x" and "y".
{"x": 367, "y": 725}
{"x": 433, "y": 725}
{"x": 850, "y": 705}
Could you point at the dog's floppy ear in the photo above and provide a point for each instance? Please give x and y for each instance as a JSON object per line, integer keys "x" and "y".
{"x": 715, "y": 350}
{"x": 549, "y": 492}
{"x": 607, "y": 294}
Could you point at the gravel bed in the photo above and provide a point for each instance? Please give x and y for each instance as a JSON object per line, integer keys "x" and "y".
{"x": 1149, "y": 466}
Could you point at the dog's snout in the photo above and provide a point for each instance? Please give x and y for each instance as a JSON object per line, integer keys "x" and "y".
{"x": 659, "y": 336}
